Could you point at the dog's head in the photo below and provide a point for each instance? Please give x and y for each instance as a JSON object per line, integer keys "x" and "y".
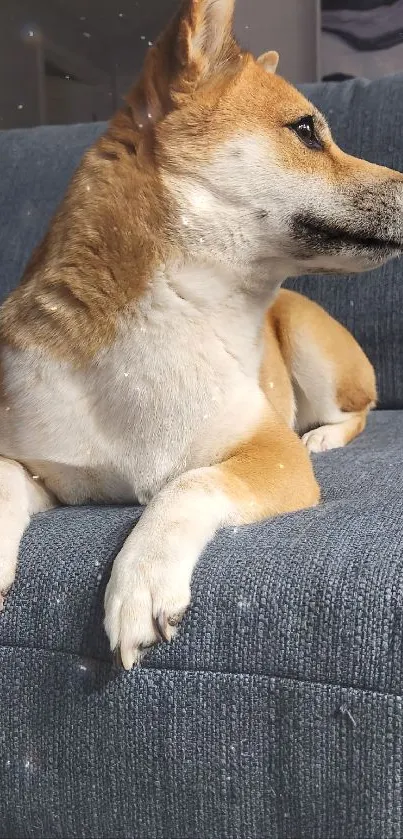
{"x": 249, "y": 163}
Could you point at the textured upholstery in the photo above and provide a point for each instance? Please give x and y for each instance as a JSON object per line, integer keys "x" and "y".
{"x": 277, "y": 712}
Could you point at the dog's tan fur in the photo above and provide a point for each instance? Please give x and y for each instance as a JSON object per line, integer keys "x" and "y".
{"x": 148, "y": 353}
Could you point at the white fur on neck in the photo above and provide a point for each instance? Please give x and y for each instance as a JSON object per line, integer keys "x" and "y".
{"x": 178, "y": 388}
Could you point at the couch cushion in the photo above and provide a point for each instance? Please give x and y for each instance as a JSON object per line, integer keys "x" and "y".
{"x": 316, "y": 595}
{"x": 276, "y": 712}
{"x": 165, "y": 754}
{"x": 36, "y": 166}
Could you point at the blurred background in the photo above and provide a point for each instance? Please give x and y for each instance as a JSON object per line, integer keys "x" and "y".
{"x": 361, "y": 38}
{"x": 65, "y": 61}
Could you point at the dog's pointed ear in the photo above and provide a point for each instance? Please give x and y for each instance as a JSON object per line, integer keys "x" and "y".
{"x": 205, "y": 33}
{"x": 269, "y": 61}
{"x": 197, "y": 43}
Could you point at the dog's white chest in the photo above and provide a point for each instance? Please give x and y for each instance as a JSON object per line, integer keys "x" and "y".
{"x": 170, "y": 395}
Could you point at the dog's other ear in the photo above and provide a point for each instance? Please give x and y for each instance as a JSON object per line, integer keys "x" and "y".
{"x": 269, "y": 61}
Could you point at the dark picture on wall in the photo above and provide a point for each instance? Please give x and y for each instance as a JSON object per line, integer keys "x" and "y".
{"x": 361, "y": 38}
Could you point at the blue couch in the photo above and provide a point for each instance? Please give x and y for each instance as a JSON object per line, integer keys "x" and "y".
{"x": 277, "y": 712}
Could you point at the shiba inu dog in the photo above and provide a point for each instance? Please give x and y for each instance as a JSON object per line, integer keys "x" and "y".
{"x": 148, "y": 354}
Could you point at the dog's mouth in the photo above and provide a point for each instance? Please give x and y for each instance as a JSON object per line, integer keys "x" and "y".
{"x": 321, "y": 237}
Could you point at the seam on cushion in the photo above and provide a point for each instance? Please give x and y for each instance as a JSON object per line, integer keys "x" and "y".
{"x": 197, "y": 672}
{"x": 67, "y": 653}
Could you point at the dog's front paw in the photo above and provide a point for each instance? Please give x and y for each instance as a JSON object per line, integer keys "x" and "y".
{"x": 145, "y": 600}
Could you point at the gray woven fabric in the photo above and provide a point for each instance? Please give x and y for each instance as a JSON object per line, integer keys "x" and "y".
{"x": 175, "y": 755}
{"x": 36, "y": 165}
{"x": 267, "y": 598}
{"x": 276, "y": 713}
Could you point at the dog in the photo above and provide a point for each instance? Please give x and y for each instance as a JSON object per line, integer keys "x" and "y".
{"x": 149, "y": 354}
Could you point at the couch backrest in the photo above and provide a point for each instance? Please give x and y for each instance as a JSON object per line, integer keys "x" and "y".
{"x": 366, "y": 119}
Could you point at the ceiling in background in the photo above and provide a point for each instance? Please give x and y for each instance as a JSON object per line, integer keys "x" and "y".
{"x": 117, "y": 31}
{"x": 113, "y": 17}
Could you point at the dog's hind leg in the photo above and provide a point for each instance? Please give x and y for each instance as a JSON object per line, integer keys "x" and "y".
{"x": 333, "y": 381}
{"x": 20, "y": 497}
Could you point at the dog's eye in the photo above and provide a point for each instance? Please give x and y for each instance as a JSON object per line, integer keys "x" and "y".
{"x": 304, "y": 128}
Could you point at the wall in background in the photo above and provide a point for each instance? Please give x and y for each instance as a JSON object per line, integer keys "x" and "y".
{"x": 291, "y": 27}
{"x": 70, "y": 60}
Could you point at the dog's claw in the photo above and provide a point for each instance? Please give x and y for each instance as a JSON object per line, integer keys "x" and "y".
{"x": 175, "y": 620}
{"x": 117, "y": 658}
{"x": 3, "y": 595}
{"x": 160, "y": 623}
